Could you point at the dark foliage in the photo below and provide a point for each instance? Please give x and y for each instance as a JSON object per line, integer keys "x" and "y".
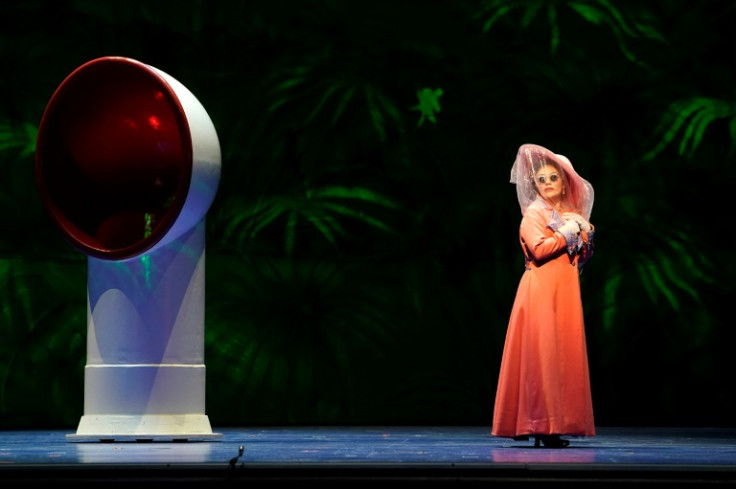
{"x": 362, "y": 251}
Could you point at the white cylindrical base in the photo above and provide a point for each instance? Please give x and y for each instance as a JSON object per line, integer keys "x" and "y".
{"x": 145, "y": 372}
{"x": 148, "y": 427}
{"x": 149, "y": 389}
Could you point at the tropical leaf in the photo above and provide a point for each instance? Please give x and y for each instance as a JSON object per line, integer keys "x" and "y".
{"x": 324, "y": 208}
{"x": 301, "y": 84}
{"x": 318, "y": 89}
{"x": 667, "y": 268}
{"x": 690, "y": 118}
{"x": 623, "y": 23}
{"x": 42, "y": 325}
{"x": 22, "y": 136}
{"x": 290, "y": 337}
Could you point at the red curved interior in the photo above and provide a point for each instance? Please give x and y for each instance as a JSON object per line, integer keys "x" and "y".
{"x": 114, "y": 157}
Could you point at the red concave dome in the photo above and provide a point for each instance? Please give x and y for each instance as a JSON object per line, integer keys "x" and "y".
{"x": 114, "y": 157}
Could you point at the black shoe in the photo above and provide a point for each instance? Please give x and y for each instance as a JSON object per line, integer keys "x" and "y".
{"x": 550, "y": 441}
{"x": 521, "y": 438}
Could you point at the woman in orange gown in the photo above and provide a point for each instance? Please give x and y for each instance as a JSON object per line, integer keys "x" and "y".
{"x": 544, "y": 386}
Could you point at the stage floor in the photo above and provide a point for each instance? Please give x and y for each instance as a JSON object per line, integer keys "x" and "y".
{"x": 671, "y": 456}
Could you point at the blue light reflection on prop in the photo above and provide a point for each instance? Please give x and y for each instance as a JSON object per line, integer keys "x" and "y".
{"x": 146, "y": 314}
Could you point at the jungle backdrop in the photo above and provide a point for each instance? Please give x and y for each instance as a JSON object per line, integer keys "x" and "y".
{"x": 362, "y": 249}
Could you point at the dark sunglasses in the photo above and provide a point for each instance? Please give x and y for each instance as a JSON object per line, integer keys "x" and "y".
{"x": 552, "y": 178}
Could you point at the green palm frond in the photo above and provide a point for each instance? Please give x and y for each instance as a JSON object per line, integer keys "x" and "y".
{"x": 353, "y": 194}
{"x": 691, "y": 117}
{"x": 663, "y": 286}
{"x": 623, "y": 25}
{"x": 293, "y": 335}
{"x": 324, "y": 208}
{"x": 666, "y": 268}
{"x": 333, "y": 89}
{"x": 658, "y": 273}
{"x": 295, "y": 78}
{"x": 611, "y": 290}
{"x": 498, "y": 9}
{"x": 598, "y": 12}
{"x": 21, "y": 137}
{"x": 309, "y": 86}
{"x": 43, "y": 319}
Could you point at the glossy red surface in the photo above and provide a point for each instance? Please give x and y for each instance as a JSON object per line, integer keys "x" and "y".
{"x": 114, "y": 157}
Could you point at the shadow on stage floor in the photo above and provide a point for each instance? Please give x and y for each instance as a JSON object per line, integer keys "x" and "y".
{"x": 353, "y": 455}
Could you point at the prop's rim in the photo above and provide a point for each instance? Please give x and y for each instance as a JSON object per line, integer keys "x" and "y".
{"x": 80, "y": 239}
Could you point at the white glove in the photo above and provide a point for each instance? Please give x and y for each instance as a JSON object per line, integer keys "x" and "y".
{"x": 582, "y": 223}
{"x": 569, "y": 227}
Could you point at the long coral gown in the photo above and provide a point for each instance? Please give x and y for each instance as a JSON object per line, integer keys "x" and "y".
{"x": 544, "y": 385}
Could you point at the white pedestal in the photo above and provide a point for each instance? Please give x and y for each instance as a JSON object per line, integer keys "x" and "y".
{"x": 145, "y": 373}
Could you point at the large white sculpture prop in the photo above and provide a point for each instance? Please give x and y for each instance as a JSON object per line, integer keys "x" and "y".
{"x": 115, "y": 130}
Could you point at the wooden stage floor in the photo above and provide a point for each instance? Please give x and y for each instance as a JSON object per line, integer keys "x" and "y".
{"x": 352, "y": 455}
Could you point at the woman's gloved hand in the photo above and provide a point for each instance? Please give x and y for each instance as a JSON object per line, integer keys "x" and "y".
{"x": 582, "y": 223}
{"x": 569, "y": 227}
